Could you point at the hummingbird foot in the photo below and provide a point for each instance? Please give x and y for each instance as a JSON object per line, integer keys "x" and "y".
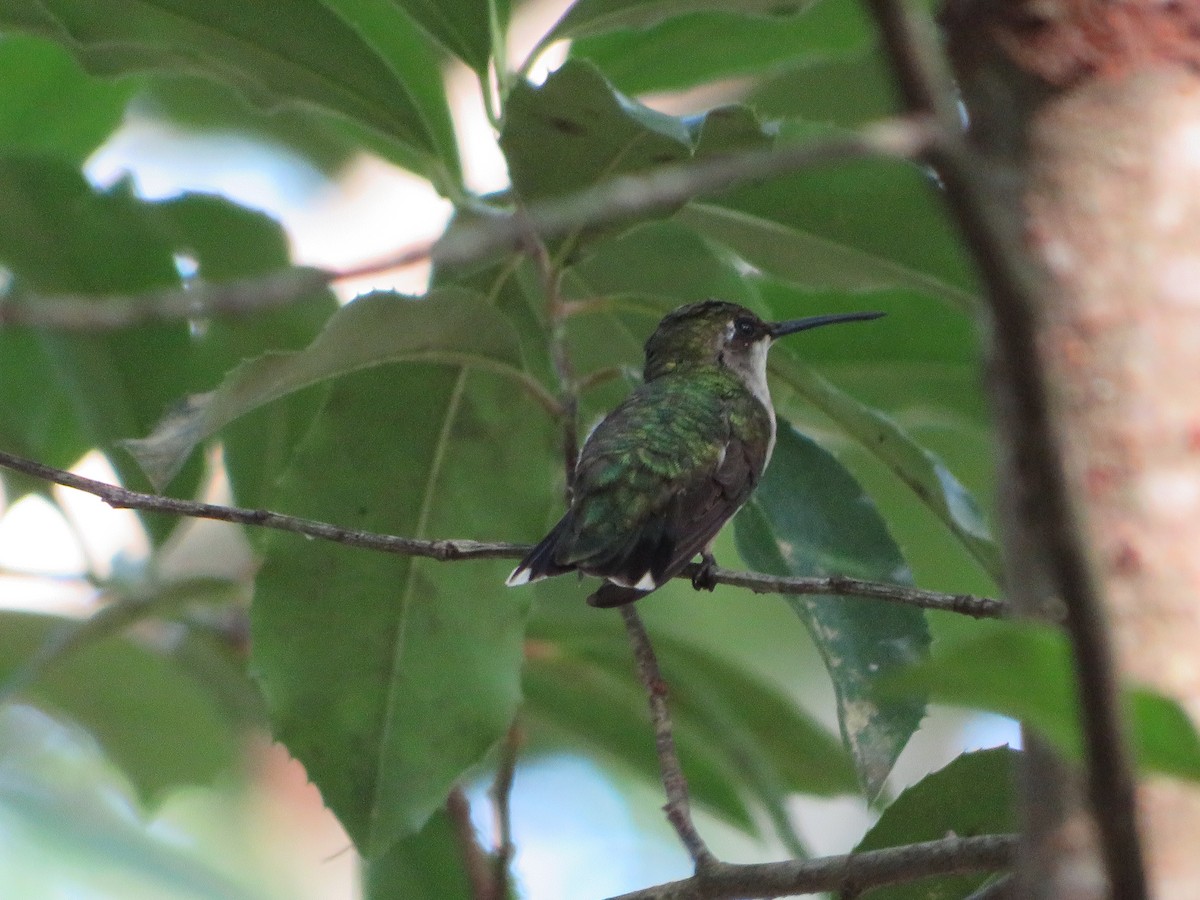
{"x": 705, "y": 578}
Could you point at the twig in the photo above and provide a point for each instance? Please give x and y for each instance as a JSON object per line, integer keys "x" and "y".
{"x": 475, "y": 859}
{"x": 446, "y": 550}
{"x": 678, "y": 807}
{"x": 839, "y": 585}
{"x": 850, "y": 874}
{"x": 501, "y": 794}
{"x": 1110, "y": 780}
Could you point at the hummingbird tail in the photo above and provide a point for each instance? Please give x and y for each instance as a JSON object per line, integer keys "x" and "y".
{"x": 539, "y": 563}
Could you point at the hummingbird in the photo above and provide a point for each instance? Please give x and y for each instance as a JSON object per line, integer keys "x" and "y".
{"x": 662, "y": 472}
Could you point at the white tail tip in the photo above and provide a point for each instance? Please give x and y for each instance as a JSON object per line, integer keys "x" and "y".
{"x": 519, "y": 576}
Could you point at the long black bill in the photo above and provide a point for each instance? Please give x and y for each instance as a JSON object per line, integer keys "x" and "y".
{"x": 791, "y": 326}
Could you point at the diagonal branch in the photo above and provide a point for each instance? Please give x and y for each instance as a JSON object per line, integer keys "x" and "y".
{"x": 845, "y": 876}
{"x": 446, "y": 550}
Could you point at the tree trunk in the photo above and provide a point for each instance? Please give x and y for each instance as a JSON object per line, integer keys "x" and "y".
{"x": 1092, "y": 111}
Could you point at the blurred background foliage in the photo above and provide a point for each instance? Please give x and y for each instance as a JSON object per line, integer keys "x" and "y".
{"x": 137, "y": 711}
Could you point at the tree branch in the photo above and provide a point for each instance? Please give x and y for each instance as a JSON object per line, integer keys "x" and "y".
{"x": 615, "y": 200}
{"x": 1039, "y": 458}
{"x": 678, "y": 806}
{"x": 447, "y": 550}
{"x": 846, "y": 876}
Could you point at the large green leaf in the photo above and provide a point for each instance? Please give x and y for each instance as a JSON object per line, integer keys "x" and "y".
{"x": 450, "y": 326}
{"x": 388, "y": 677}
{"x": 682, "y": 52}
{"x": 156, "y": 723}
{"x": 972, "y": 795}
{"x": 597, "y": 16}
{"x": 575, "y": 130}
{"x": 1023, "y": 670}
{"x": 917, "y": 467}
{"x": 810, "y": 517}
{"x": 848, "y": 89}
{"x": 291, "y": 51}
{"x": 59, "y": 110}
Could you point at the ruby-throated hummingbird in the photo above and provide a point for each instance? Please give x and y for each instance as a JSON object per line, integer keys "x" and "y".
{"x": 661, "y": 474}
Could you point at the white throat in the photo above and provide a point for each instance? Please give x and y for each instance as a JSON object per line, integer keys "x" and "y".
{"x": 752, "y": 370}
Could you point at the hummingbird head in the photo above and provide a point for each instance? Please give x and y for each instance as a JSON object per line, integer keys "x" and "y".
{"x": 716, "y": 333}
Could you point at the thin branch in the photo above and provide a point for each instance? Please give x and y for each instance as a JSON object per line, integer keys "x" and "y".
{"x": 848, "y": 875}
{"x": 196, "y": 300}
{"x": 839, "y": 585}
{"x": 501, "y": 795}
{"x": 1014, "y": 304}
{"x": 678, "y": 806}
{"x": 446, "y": 550}
{"x": 475, "y": 859}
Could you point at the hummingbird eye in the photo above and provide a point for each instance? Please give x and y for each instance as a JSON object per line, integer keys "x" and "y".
{"x": 744, "y": 327}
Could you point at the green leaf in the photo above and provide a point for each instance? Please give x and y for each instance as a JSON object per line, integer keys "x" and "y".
{"x": 917, "y": 467}
{"x": 575, "y": 130}
{"x": 59, "y": 111}
{"x": 597, "y": 16}
{"x": 973, "y": 795}
{"x": 288, "y": 52}
{"x": 685, "y": 51}
{"x": 450, "y": 326}
{"x": 157, "y": 724}
{"x": 810, "y": 260}
{"x": 67, "y": 817}
{"x": 1023, "y": 670}
{"x": 460, "y": 26}
{"x": 387, "y": 677}
{"x": 426, "y": 866}
{"x": 809, "y": 517}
